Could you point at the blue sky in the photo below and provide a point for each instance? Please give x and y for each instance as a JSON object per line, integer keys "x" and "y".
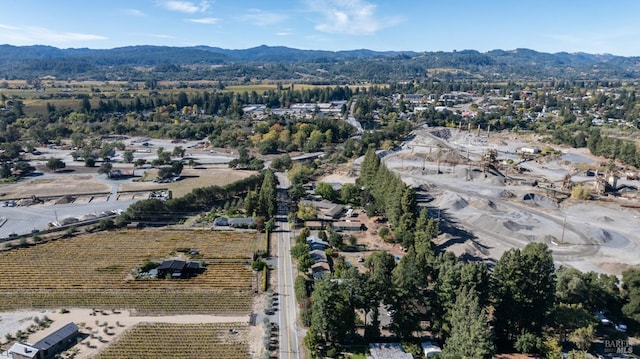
{"x": 592, "y": 26}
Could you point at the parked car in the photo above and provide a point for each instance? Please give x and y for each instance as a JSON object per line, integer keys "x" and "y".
{"x": 621, "y": 327}
{"x": 603, "y": 319}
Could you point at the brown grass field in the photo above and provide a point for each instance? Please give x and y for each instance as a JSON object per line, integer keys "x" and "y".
{"x": 60, "y": 186}
{"x": 192, "y": 178}
{"x": 95, "y": 271}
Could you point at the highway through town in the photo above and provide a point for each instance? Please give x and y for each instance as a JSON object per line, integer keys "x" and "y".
{"x": 287, "y": 307}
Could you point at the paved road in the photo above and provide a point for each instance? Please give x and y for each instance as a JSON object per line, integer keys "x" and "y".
{"x": 287, "y": 306}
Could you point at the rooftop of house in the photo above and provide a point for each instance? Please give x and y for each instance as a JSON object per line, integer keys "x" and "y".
{"x": 388, "y": 351}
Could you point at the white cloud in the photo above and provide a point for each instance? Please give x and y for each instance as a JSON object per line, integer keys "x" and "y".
{"x": 204, "y": 20}
{"x": 263, "y": 18}
{"x": 161, "y": 36}
{"x": 133, "y": 12}
{"x": 30, "y": 35}
{"x": 8, "y": 27}
{"x": 353, "y": 17}
{"x": 284, "y": 33}
{"x": 186, "y": 6}
{"x": 605, "y": 41}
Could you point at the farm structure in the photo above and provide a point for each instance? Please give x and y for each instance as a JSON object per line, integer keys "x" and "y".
{"x": 49, "y": 346}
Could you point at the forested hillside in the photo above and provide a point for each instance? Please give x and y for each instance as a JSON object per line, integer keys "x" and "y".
{"x": 313, "y": 66}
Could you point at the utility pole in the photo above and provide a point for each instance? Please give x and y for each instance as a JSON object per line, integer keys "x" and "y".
{"x": 564, "y": 224}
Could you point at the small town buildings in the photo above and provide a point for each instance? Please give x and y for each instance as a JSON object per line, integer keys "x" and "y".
{"x": 49, "y": 346}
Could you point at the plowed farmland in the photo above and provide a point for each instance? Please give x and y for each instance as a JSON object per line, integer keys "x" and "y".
{"x": 96, "y": 271}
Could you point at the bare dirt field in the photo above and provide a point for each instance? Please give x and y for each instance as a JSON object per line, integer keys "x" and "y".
{"x": 92, "y": 324}
{"x": 191, "y": 178}
{"x": 50, "y": 187}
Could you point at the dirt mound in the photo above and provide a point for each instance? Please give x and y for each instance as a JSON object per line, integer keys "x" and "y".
{"x": 484, "y": 204}
{"x": 443, "y": 133}
{"x": 507, "y": 194}
{"x": 609, "y": 238}
{"x": 513, "y": 226}
{"x": 453, "y": 201}
{"x": 475, "y": 250}
{"x": 446, "y": 156}
{"x": 65, "y": 200}
{"x": 539, "y": 200}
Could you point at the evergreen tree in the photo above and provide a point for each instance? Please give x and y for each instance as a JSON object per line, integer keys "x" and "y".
{"x": 408, "y": 283}
{"x": 524, "y": 291}
{"x": 267, "y": 198}
{"x": 470, "y": 334}
{"x": 369, "y": 168}
{"x": 331, "y": 312}
{"x": 251, "y": 203}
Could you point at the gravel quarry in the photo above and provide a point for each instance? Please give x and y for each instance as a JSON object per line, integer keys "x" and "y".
{"x": 486, "y": 210}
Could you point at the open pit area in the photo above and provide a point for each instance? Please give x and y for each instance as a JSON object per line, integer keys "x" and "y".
{"x": 491, "y": 196}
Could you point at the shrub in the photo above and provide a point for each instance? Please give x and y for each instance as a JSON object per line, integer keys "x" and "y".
{"x": 580, "y": 192}
{"x": 258, "y": 265}
{"x": 148, "y": 265}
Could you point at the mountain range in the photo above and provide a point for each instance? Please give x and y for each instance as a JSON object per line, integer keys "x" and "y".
{"x": 287, "y": 63}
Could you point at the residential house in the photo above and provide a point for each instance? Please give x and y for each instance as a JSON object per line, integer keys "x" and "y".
{"x": 319, "y": 270}
{"x": 388, "y": 351}
{"x": 318, "y": 256}
{"x": 316, "y": 243}
{"x": 333, "y": 213}
{"x": 177, "y": 268}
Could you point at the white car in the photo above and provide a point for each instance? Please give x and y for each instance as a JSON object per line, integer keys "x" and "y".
{"x": 603, "y": 320}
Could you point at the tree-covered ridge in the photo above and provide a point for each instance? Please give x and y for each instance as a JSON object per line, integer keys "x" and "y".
{"x": 264, "y": 62}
